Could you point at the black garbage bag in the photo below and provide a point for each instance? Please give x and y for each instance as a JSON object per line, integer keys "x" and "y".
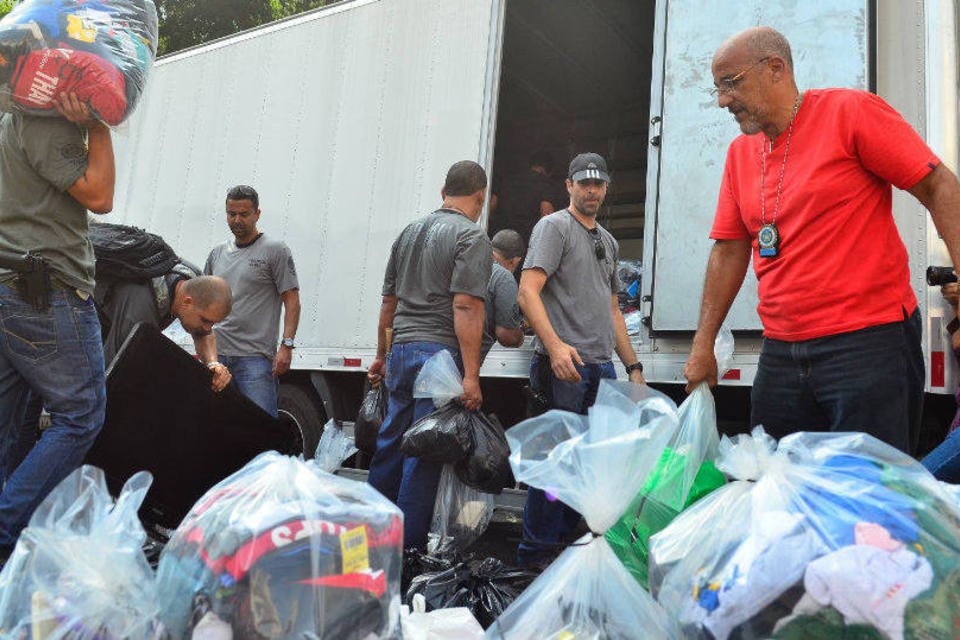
{"x": 446, "y": 435}
{"x": 485, "y": 587}
{"x": 487, "y": 468}
{"x": 373, "y": 411}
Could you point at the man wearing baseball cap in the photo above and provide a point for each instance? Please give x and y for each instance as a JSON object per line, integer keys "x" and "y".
{"x": 568, "y": 292}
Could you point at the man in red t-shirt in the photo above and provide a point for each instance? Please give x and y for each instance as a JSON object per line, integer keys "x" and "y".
{"x": 806, "y": 193}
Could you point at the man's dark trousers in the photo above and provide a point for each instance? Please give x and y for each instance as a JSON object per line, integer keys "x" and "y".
{"x": 869, "y": 380}
{"x": 548, "y": 522}
{"x": 410, "y": 483}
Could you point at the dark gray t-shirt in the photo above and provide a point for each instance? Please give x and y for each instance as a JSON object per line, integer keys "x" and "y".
{"x": 40, "y": 158}
{"x": 500, "y": 305}
{"x": 579, "y": 285}
{"x": 258, "y": 273}
{"x": 433, "y": 259}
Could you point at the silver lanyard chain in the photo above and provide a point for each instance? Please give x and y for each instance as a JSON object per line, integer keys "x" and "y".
{"x": 783, "y": 168}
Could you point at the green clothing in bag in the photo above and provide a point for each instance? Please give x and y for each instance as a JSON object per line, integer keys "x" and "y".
{"x": 660, "y": 500}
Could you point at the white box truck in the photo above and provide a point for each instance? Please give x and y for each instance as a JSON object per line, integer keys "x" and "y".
{"x": 346, "y": 118}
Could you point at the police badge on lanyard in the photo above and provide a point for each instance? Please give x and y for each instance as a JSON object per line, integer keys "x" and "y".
{"x": 768, "y": 240}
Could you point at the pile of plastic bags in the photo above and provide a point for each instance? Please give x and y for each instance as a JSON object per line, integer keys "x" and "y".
{"x": 78, "y": 570}
{"x": 595, "y": 464}
{"x": 283, "y": 549}
{"x": 101, "y": 50}
{"x": 822, "y": 536}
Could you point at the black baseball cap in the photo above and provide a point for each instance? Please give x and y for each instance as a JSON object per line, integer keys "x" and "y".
{"x": 588, "y": 166}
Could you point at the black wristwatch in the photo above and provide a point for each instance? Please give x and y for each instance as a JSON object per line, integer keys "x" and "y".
{"x": 636, "y": 366}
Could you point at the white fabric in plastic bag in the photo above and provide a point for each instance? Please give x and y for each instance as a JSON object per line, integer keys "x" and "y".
{"x": 439, "y": 379}
{"x": 595, "y": 464}
{"x": 793, "y": 514}
{"x": 456, "y": 623}
{"x": 460, "y": 515}
{"x": 78, "y": 570}
{"x": 334, "y": 447}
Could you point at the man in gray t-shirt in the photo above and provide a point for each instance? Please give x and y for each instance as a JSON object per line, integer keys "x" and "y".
{"x": 433, "y": 292}
{"x": 568, "y": 291}
{"x": 262, "y": 278}
{"x": 503, "y": 320}
{"x": 52, "y": 170}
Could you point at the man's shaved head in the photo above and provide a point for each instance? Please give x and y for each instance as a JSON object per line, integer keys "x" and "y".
{"x": 209, "y": 292}
{"x": 758, "y": 42}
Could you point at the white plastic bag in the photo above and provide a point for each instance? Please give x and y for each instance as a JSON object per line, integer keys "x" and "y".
{"x": 78, "y": 570}
{"x": 809, "y": 532}
{"x": 595, "y": 464}
{"x": 439, "y": 379}
{"x": 334, "y": 447}
{"x": 456, "y": 623}
{"x": 460, "y": 515}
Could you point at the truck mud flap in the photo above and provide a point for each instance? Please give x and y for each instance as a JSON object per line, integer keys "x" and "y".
{"x": 163, "y": 416}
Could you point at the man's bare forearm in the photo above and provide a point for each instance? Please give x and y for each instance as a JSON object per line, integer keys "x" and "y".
{"x": 939, "y": 192}
{"x": 291, "y": 313}
{"x": 536, "y": 313}
{"x": 206, "y": 347}
{"x": 726, "y": 269}
{"x": 468, "y": 319}
{"x": 624, "y": 347}
{"x": 388, "y": 309}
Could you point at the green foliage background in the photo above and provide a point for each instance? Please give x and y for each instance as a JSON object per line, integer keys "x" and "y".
{"x": 185, "y": 23}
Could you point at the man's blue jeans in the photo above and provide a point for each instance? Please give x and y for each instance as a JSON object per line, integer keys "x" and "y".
{"x": 547, "y": 523}
{"x": 254, "y": 377}
{"x": 944, "y": 461}
{"x": 58, "y": 354}
{"x": 410, "y": 483}
{"x": 869, "y": 380}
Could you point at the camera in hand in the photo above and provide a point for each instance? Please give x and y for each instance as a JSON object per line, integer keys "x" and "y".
{"x": 939, "y": 276}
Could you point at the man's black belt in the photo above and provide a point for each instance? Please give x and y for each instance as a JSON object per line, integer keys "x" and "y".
{"x": 33, "y": 277}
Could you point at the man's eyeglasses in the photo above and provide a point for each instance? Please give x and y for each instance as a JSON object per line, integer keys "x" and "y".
{"x": 598, "y": 247}
{"x": 726, "y": 86}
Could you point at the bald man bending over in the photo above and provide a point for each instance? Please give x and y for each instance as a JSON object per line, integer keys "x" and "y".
{"x": 806, "y": 193}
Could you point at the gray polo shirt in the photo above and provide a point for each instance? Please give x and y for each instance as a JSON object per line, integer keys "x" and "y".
{"x": 500, "y": 305}
{"x": 257, "y": 273}
{"x": 433, "y": 259}
{"x": 579, "y": 285}
{"x": 40, "y": 158}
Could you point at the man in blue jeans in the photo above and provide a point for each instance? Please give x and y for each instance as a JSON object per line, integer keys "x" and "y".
{"x": 568, "y": 291}
{"x": 433, "y": 299}
{"x": 262, "y": 277}
{"x": 52, "y": 170}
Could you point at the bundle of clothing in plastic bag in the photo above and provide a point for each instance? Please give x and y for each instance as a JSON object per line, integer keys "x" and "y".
{"x": 78, "y": 570}
{"x": 684, "y": 473}
{"x": 101, "y": 50}
{"x": 595, "y": 464}
{"x": 824, "y": 536}
{"x": 283, "y": 549}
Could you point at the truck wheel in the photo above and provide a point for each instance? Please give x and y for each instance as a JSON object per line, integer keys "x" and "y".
{"x": 301, "y": 407}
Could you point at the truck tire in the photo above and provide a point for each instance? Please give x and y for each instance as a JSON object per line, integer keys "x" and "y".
{"x": 300, "y": 406}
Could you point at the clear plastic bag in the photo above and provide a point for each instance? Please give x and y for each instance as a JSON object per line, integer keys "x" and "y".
{"x": 487, "y": 468}
{"x": 101, "y": 50}
{"x": 282, "y": 548}
{"x": 684, "y": 473}
{"x": 446, "y": 435}
{"x": 373, "y": 411}
{"x": 825, "y": 534}
{"x": 334, "y": 447}
{"x": 78, "y": 570}
{"x": 460, "y": 515}
{"x": 439, "y": 379}
{"x": 440, "y": 624}
{"x": 595, "y": 464}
